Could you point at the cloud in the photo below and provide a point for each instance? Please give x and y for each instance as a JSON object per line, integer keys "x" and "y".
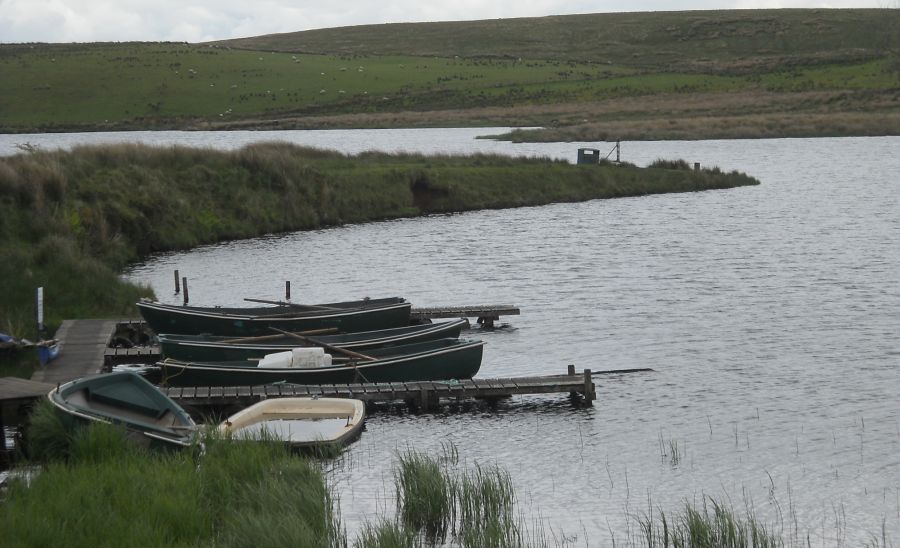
{"x": 202, "y": 20}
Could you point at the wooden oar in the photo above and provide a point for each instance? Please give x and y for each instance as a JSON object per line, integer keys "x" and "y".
{"x": 325, "y": 345}
{"x": 294, "y": 305}
{"x": 323, "y": 331}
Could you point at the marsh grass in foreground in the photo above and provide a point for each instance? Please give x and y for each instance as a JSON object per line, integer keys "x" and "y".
{"x": 710, "y": 526}
{"x": 96, "y": 489}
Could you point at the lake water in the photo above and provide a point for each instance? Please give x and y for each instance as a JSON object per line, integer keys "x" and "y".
{"x": 770, "y": 314}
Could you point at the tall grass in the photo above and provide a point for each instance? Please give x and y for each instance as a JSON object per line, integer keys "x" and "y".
{"x": 97, "y": 489}
{"x": 94, "y": 488}
{"x": 425, "y": 495}
{"x": 475, "y": 507}
{"x": 713, "y": 525}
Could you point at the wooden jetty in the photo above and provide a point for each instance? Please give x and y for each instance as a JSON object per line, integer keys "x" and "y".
{"x": 486, "y": 314}
{"x": 82, "y": 345}
{"x": 423, "y": 396}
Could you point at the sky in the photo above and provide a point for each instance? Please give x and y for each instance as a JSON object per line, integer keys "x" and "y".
{"x": 204, "y": 20}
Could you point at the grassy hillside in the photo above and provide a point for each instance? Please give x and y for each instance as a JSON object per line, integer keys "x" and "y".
{"x": 737, "y": 40}
{"x": 586, "y": 77}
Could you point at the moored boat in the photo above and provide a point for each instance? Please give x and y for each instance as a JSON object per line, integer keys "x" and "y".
{"x": 349, "y": 316}
{"x": 148, "y": 416}
{"x": 209, "y": 348}
{"x": 441, "y": 359}
{"x": 299, "y": 422}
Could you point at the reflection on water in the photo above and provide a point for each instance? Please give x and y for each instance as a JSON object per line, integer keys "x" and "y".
{"x": 770, "y": 315}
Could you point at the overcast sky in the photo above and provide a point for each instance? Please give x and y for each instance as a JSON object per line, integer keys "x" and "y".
{"x": 202, "y": 20}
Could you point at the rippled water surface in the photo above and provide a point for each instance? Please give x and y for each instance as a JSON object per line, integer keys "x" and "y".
{"x": 770, "y": 315}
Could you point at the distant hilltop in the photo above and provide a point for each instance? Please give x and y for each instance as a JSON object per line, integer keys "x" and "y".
{"x": 679, "y": 40}
{"x": 593, "y": 77}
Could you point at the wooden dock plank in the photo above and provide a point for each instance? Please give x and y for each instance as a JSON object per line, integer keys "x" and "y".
{"x": 82, "y": 344}
{"x": 13, "y": 388}
{"x": 429, "y": 392}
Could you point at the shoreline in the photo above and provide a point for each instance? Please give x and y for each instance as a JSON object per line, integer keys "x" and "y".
{"x": 74, "y": 219}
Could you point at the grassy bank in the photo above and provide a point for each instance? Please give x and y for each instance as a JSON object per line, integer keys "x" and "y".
{"x": 69, "y": 221}
{"x": 651, "y": 75}
{"x": 91, "y": 487}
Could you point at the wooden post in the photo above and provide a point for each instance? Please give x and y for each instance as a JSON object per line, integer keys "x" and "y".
{"x": 287, "y": 290}
{"x": 184, "y": 283}
{"x": 5, "y": 455}
{"x": 571, "y": 371}
{"x": 588, "y": 387}
{"x": 423, "y": 399}
{"x": 177, "y": 287}
{"x": 617, "y": 152}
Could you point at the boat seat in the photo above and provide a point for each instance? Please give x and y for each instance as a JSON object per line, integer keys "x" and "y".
{"x": 129, "y": 400}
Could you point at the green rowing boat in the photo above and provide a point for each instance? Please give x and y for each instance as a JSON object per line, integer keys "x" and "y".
{"x": 149, "y": 417}
{"x": 349, "y": 316}
{"x": 209, "y": 348}
{"x": 441, "y": 359}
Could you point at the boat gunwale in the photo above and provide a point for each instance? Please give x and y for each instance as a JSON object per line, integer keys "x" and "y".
{"x": 168, "y": 434}
{"x": 263, "y": 346}
{"x": 311, "y": 315}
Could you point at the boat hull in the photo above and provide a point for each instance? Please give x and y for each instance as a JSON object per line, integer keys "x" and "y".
{"x": 444, "y": 359}
{"x": 348, "y": 317}
{"x": 124, "y": 398}
{"x": 198, "y": 348}
{"x": 260, "y": 417}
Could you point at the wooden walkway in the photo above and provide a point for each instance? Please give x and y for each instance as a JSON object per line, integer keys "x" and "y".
{"x": 486, "y": 314}
{"x": 82, "y": 344}
{"x": 422, "y": 395}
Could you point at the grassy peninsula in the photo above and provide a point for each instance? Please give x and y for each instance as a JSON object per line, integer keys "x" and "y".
{"x": 630, "y": 76}
{"x": 70, "y": 220}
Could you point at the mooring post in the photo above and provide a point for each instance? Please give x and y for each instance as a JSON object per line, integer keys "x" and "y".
{"x": 184, "y": 283}
{"x": 177, "y": 287}
{"x": 571, "y": 372}
{"x": 588, "y": 388}
{"x": 423, "y": 399}
{"x": 287, "y": 290}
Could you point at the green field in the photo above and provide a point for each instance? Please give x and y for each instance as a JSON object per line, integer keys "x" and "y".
{"x": 570, "y": 72}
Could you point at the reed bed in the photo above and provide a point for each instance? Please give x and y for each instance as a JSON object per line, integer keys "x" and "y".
{"x": 472, "y": 507}
{"x": 713, "y": 525}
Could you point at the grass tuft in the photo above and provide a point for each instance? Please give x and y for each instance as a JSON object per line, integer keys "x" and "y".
{"x": 425, "y": 495}
{"x": 711, "y": 526}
